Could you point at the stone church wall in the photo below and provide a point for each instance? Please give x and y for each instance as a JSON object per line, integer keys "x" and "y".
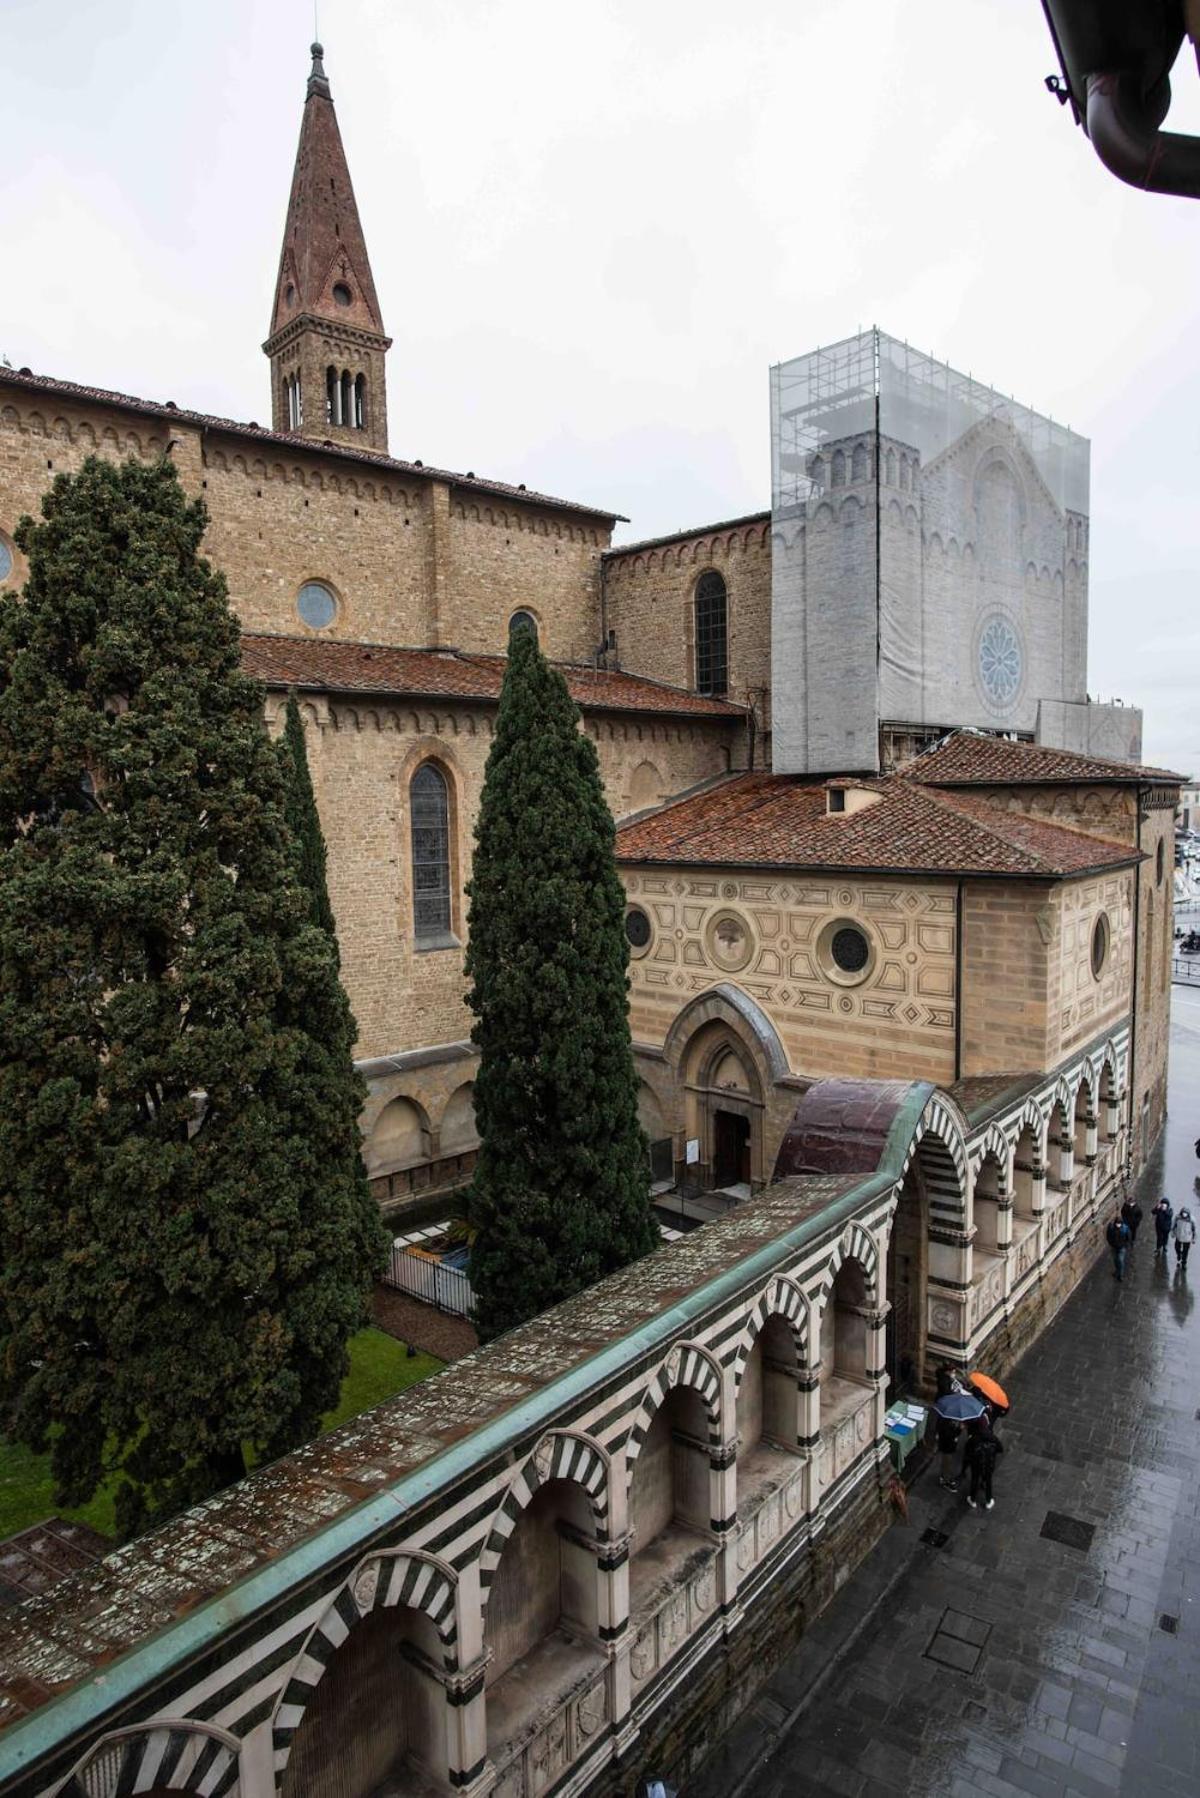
{"x": 411, "y": 562}
{"x": 649, "y": 601}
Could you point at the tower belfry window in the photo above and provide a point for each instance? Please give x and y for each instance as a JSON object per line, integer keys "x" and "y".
{"x": 712, "y": 656}
{"x": 347, "y": 410}
{"x": 360, "y": 402}
{"x": 333, "y": 397}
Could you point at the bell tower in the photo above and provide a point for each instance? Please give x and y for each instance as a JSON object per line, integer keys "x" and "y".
{"x": 327, "y": 345}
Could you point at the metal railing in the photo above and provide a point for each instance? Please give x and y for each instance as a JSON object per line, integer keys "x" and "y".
{"x": 1185, "y": 970}
{"x": 433, "y": 1282}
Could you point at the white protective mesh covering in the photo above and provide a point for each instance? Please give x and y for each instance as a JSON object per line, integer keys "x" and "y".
{"x": 930, "y": 554}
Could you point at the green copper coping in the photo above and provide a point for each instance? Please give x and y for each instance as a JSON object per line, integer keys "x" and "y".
{"x": 73, "y": 1712}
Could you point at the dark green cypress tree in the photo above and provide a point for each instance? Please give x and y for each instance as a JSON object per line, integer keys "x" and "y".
{"x": 300, "y": 809}
{"x": 561, "y": 1190}
{"x": 186, "y": 1233}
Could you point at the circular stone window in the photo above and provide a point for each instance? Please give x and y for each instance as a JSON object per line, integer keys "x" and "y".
{"x": 316, "y": 605}
{"x": 845, "y": 952}
{"x": 1000, "y": 662}
{"x": 341, "y": 293}
{"x": 729, "y": 941}
{"x": 1100, "y": 941}
{"x": 637, "y": 929}
{"x": 6, "y": 560}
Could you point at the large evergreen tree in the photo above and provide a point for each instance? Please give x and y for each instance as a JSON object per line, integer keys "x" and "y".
{"x": 561, "y": 1190}
{"x": 300, "y": 809}
{"x": 185, "y": 1227}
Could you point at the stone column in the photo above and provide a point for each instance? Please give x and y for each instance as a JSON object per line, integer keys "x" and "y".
{"x": 876, "y": 1363}
{"x": 722, "y": 1487}
{"x": 948, "y": 1300}
{"x": 808, "y": 1433}
{"x": 612, "y": 1599}
{"x": 466, "y": 1727}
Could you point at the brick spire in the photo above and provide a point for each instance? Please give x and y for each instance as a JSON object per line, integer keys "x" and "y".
{"x": 327, "y": 339}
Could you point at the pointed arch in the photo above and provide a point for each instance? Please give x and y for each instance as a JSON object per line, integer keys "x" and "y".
{"x": 995, "y": 1143}
{"x": 782, "y": 1297}
{"x": 178, "y": 1756}
{"x": 939, "y": 1144}
{"x": 1030, "y": 1117}
{"x": 688, "y": 1364}
{"x": 559, "y": 1455}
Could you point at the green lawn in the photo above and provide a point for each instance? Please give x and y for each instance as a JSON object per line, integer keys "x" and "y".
{"x": 379, "y": 1368}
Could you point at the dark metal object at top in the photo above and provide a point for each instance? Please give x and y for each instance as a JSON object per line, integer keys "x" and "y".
{"x": 1116, "y": 59}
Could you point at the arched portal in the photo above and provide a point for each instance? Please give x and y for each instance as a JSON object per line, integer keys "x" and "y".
{"x": 907, "y": 1277}
{"x": 724, "y": 1105}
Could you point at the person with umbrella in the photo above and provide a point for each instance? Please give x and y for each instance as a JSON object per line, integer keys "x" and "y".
{"x": 983, "y": 1450}
{"x": 995, "y": 1399}
{"x": 1163, "y": 1217}
{"x": 1117, "y": 1238}
{"x": 954, "y": 1408}
{"x": 946, "y": 1431}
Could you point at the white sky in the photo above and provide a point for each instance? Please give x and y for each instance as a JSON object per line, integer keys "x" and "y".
{"x": 594, "y": 228}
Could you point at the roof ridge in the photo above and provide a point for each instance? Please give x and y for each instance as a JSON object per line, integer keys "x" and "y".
{"x": 943, "y": 800}
{"x": 725, "y": 784}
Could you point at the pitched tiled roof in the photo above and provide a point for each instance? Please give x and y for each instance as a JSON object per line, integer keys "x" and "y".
{"x": 328, "y": 666}
{"x": 970, "y": 759}
{"x": 253, "y": 433}
{"x": 781, "y": 821}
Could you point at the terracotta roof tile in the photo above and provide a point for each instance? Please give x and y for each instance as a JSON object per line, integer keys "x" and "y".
{"x": 253, "y": 433}
{"x": 778, "y": 821}
{"x": 327, "y": 665}
{"x": 970, "y": 759}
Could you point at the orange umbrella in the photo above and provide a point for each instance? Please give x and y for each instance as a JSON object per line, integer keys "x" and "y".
{"x": 990, "y": 1389}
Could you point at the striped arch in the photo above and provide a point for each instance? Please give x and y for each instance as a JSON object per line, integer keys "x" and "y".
{"x": 687, "y": 1365}
{"x": 854, "y": 1244}
{"x": 993, "y": 1142}
{"x": 178, "y": 1756}
{"x": 559, "y": 1455}
{"x": 1030, "y": 1117}
{"x": 391, "y": 1577}
{"x": 1064, "y": 1095}
{"x": 1110, "y": 1056}
{"x": 1088, "y": 1075}
{"x": 782, "y": 1298}
{"x": 939, "y": 1144}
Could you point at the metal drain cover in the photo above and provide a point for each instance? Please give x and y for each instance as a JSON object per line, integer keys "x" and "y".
{"x": 1169, "y": 1623}
{"x": 958, "y": 1641}
{"x": 934, "y": 1538}
{"x": 1073, "y": 1532}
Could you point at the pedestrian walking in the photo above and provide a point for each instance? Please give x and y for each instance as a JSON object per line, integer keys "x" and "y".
{"x": 1117, "y": 1238}
{"x": 946, "y": 1431}
{"x": 1163, "y": 1217}
{"x": 1131, "y": 1211}
{"x": 983, "y": 1450}
{"x": 1185, "y": 1235}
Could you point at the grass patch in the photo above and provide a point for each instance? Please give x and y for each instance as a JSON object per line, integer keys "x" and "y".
{"x": 379, "y": 1368}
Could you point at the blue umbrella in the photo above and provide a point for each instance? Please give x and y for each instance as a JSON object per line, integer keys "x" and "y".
{"x": 958, "y": 1407}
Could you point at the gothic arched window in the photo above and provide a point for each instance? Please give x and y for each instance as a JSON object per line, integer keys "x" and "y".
{"x": 837, "y": 476}
{"x": 333, "y": 397}
{"x": 429, "y": 804}
{"x": 712, "y": 660}
{"x": 360, "y": 402}
{"x": 347, "y": 413}
{"x": 523, "y": 621}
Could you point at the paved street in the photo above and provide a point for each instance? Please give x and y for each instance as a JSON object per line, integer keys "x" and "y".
{"x": 1009, "y": 1663}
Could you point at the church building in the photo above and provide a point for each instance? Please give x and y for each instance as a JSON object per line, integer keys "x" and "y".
{"x": 766, "y": 694}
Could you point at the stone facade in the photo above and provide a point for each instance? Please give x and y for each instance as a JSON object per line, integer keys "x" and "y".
{"x": 576, "y": 1554}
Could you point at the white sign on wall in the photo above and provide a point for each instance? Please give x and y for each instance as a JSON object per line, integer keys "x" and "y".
{"x": 693, "y": 1151}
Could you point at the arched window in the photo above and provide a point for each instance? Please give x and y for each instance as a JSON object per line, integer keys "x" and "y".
{"x": 360, "y": 402}
{"x": 860, "y": 463}
{"x": 430, "y": 805}
{"x": 837, "y": 473}
{"x": 347, "y": 398}
{"x": 523, "y": 621}
{"x": 333, "y": 397}
{"x": 712, "y": 662}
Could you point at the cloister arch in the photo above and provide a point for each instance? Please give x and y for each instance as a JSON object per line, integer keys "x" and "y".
{"x": 1028, "y": 1164}
{"x": 422, "y": 1592}
{"x": 1084, "y": 1119}
{"x": 928, "y": 1238}
{"x": 164, "y": 1756}
{"x": 688, "y": 1365}
{"x": 561, "y": 1455}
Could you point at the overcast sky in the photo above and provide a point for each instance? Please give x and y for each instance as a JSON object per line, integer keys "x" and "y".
{"x": 594, "y": 227}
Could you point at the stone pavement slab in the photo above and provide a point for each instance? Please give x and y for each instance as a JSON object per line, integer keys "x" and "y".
{"x": 1051, "y": 1647}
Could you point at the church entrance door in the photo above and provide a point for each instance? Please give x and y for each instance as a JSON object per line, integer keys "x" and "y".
{"x": 731, "y": 1148}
